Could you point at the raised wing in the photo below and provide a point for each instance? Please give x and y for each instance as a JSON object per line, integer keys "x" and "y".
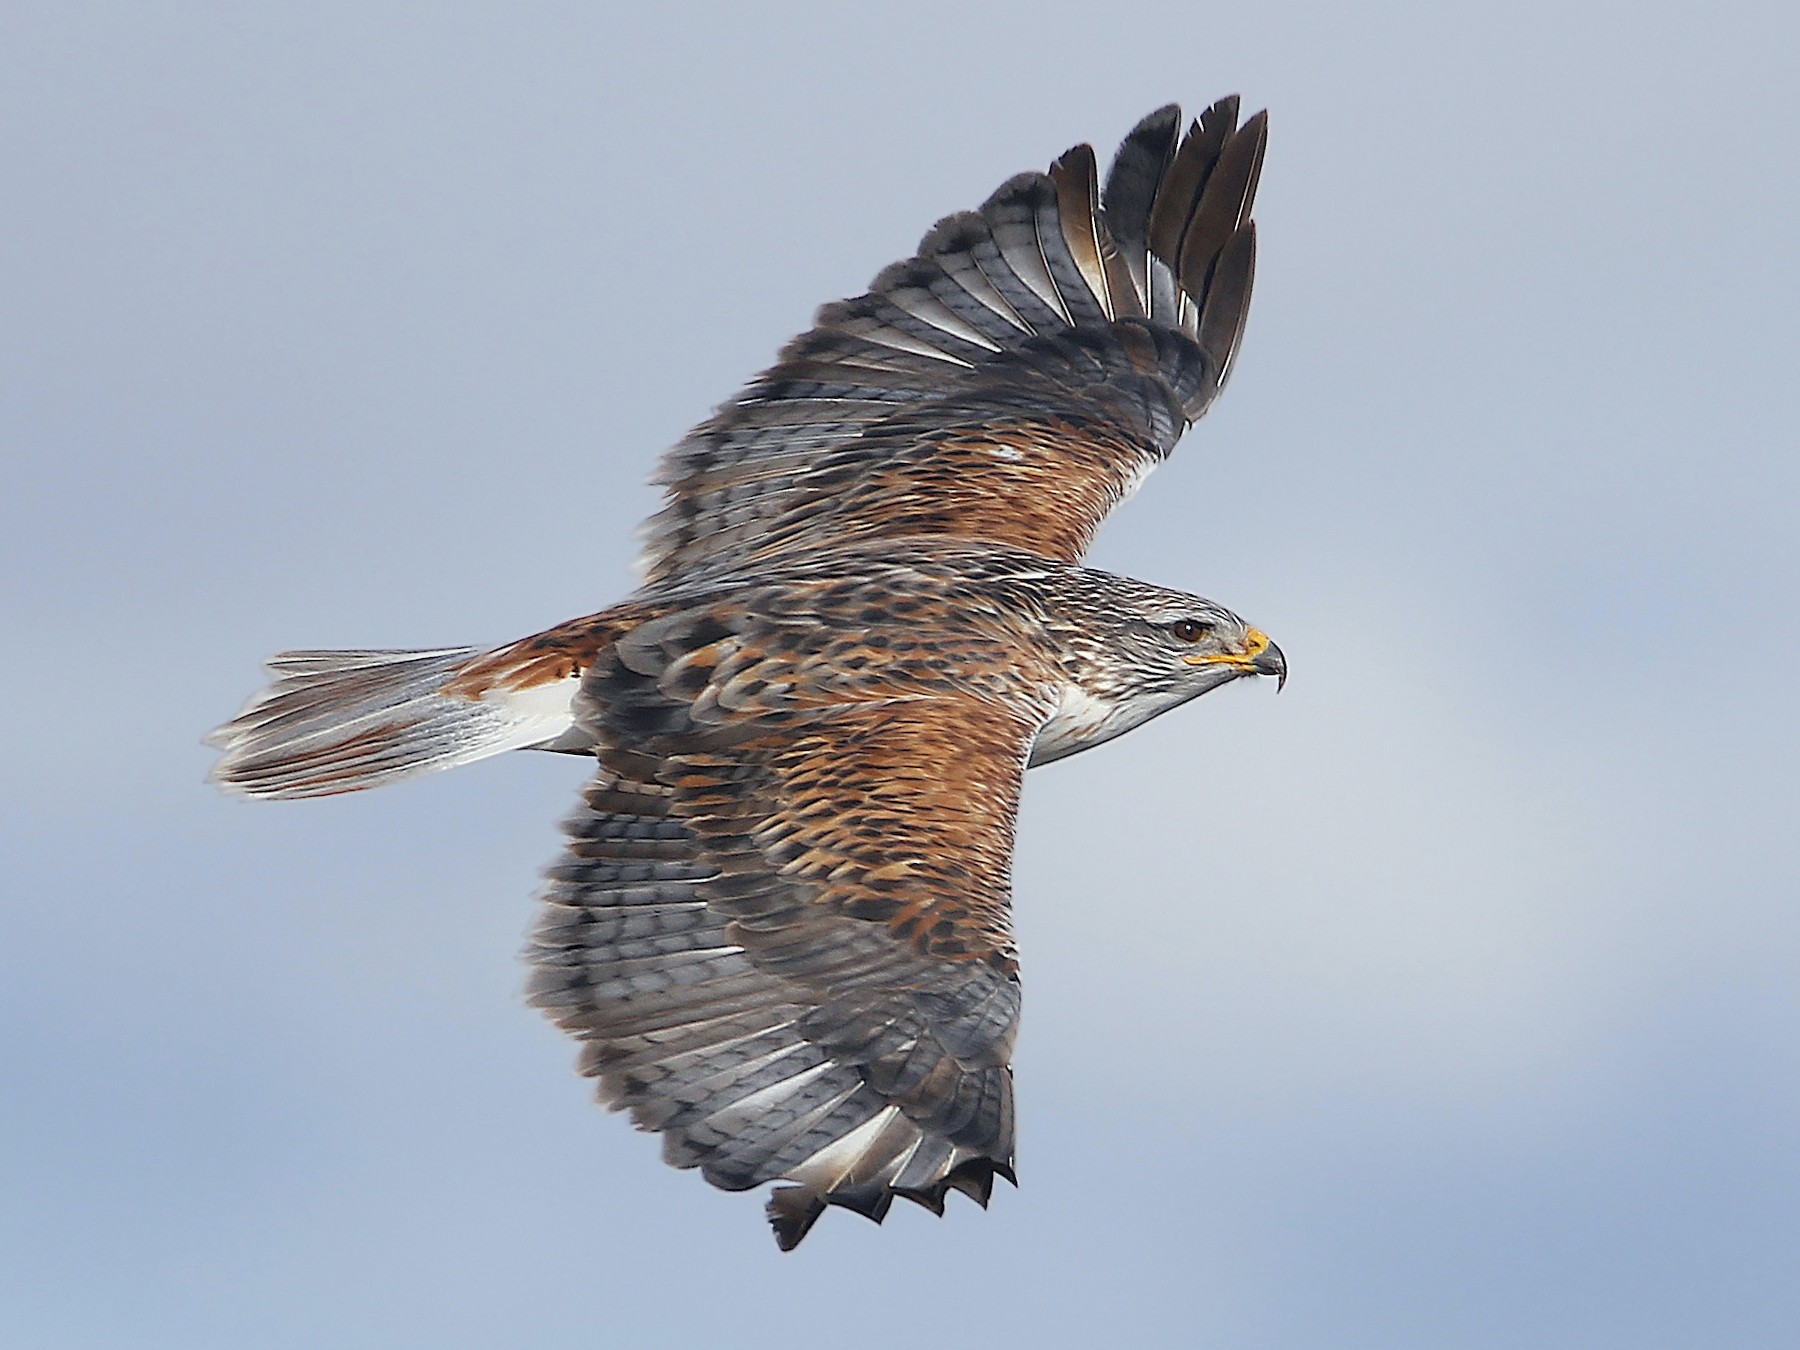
{"x": 781, "y": 927}
{"x": 1011, "y": 383}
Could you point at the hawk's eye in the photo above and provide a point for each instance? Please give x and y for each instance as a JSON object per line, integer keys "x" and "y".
{"x": 1190, "y": 630}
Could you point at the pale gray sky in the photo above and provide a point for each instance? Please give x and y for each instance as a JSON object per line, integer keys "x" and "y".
{"x": 1447, "y": 1000}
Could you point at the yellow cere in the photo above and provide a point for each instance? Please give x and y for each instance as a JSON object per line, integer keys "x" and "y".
{"x": 1255, "y": 643}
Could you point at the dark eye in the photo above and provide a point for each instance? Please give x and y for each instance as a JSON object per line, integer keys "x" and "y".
{"x": 1190, "y": 630}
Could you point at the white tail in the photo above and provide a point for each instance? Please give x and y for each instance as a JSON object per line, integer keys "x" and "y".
{"x": 341, "y": 721}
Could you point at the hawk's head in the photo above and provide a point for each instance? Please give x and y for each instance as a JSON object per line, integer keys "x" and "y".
{"x": 1149, "y": 641}
{"x": 1134, "y": 650}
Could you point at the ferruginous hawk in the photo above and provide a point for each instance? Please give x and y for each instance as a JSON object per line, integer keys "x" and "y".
{"x": 780, "y": 929}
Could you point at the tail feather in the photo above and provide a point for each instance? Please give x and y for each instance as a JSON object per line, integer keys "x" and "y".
{"x": 340, "y": 721}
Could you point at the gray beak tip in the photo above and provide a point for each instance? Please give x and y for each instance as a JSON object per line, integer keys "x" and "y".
{"x": 1270, "y": 661}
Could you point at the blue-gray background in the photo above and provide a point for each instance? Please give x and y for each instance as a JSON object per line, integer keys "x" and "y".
{"x": 1447, "y": 1000}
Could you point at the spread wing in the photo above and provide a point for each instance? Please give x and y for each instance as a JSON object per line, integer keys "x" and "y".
{"x": 781, "y": 927}
{"x": 1012, "y": 382}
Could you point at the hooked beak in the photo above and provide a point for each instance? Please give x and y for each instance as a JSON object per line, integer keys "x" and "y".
{"x": 1259, "y": 657}
{"x": 1270, "y": 661}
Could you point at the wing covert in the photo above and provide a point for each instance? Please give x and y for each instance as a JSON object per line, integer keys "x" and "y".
{"x": 1071, "y": 335}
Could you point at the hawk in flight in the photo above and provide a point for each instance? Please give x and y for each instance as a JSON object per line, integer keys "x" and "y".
{"x": 780, "y": 929}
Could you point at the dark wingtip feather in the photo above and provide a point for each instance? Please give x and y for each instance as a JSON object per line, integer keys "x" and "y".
{"x": 1226, "y": 109}
{"x": 1179, "y": 191}
{"x": 1138, "y": 167}
{"x": 872, "y": 1201}
{"x": 975, "y": 1179}
{"x": 931, "y": 1197}
{"x": 1221, "y": 326}
{"x": 793, "y": 1210}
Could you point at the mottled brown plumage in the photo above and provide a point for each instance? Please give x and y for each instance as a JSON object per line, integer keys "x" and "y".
{"x": 781, "y": 930}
